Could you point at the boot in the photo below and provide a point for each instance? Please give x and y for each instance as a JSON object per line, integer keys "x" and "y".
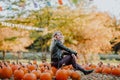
{"x": 84, "y": 71}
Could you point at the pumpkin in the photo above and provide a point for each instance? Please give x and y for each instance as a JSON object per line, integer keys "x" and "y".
{"x": 75, "y": 75}
{"x": 42, "y": 69}
{"x": 49, "y": 71}
{"x": 29, "y": 76}
{"x": 34, "y": 61}
{"x": 45, "y": 76}
{"x": 87, "y": 67}
{"x": 61, "y": 74}
{"x": 93, "y": 66}
{"x": 37, "y": 73}
{"x": 54, "y": 70}
{"x": 5, "y": 72}
{"x": 98, "y": 69}
{"x": 31, "y": 67}
{"x": 14, "y": 67}
{"x": 115, "y": 71}
{"x": 0, "y": 71}
{"x": 106, "y": 70}
{"x": 18, "y": 74}
{"x": 25, "y": 69}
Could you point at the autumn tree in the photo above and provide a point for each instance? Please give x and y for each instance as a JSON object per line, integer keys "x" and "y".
{"x": 13, "y": 40}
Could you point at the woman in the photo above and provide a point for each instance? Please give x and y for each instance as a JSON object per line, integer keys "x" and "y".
{"x": 58, "y": 50}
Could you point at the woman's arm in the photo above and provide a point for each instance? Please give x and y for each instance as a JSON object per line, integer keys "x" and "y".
{"x": 61, "y": 46}
{"x": 65, "y": 52}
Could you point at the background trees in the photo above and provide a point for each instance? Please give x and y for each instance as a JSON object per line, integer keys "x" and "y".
{"x": 85, "y": 31}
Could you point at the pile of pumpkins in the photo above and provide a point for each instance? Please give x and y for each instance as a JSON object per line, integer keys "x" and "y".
{"x": 104, "y": 69}
{"x": 34, "y": 71}
{"x": 44, "y": 71}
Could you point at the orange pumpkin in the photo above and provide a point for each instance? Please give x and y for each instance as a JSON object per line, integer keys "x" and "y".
{"x": 75, "y": 75}
{"x": 5, "y": 72}
{"x": 34, "y": 61}
{"x": 45, "y": 76}
{"x": 31, "y": 67}
{"x": 37, "y": 73}
{"x": 87, "y": 67}
{"x": 25, "y": 69}
{"x": 14, "y": 67}
{"x": 98, "y": 69}
{"x": 42, "y": 69}
{"x": 49, "y": 71}
{"x": 18, "y": 74}
{"x": 0, "y": 71}
{"x": 93, "y": 66}
{"x": 29, "y": 76}
{"x": 61, "y": 74}
{"x": 106, "y": 70}
{"x": 115, "y": 71}
{"x": 54, "y": 70}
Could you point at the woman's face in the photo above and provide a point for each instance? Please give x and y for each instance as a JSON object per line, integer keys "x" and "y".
{"x": 59, "y": 36}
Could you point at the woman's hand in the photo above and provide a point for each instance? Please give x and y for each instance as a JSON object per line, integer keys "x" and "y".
{"x": 75, "y": 56}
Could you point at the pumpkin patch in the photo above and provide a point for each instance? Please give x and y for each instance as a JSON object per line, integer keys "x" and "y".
{"x": 31, "y": 71}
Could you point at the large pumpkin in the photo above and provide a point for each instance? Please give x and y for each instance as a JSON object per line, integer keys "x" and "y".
{"x": 45, "y": 76}
{"x": 37, "y": 73}
{"x": 29, "y": 76}
{"x": 18, "y": 74}
{"x": 61, "y": 74}
{"x": 75, "y": 75}
{"x": 106, "y": 70}
{"x": 5, "y": 72}
{"x": 115, "y": 71}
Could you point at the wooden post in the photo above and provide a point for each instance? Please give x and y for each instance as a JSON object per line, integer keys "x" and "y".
{"x": 4, "y": 52}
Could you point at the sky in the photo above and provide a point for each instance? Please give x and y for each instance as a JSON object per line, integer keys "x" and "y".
{"x": 110, "y": 6}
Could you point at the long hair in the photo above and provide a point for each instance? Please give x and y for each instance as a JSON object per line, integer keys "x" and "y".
{"x": 53, "y": 40}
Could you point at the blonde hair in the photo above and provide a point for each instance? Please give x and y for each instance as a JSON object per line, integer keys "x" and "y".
{"x": 53, "y": 39}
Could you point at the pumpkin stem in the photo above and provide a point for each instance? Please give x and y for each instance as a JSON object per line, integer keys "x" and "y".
{"x": 13, "y": 63}
{"x": 5, "y": 64}
{"x": 28, "y": 71}
{"x": 37, "y": 65}
{"x": 20, "y": 63}
{"x": 19, "y": 68}
{"x": 1, "y": 66}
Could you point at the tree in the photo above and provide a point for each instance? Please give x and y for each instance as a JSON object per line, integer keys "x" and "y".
{"x": 13, "y": 40}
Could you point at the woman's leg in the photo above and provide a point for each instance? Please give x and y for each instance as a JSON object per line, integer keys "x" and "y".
{"x": 67, "y": 60}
